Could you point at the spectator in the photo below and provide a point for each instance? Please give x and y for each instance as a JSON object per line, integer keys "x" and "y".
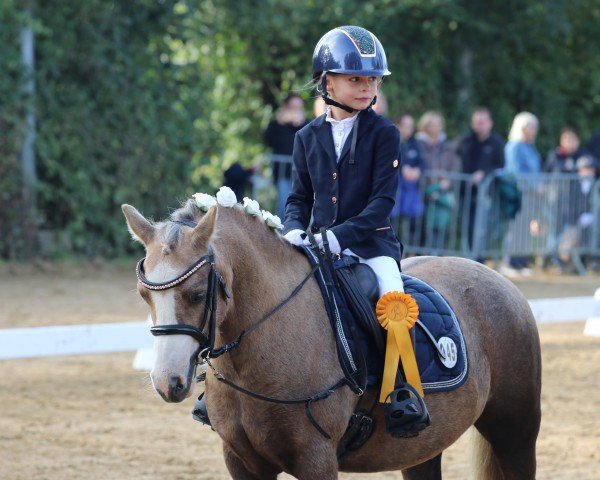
{"x": 279, "y": 136}
{"x": 593, "y": 148}
{"x": 563, "y": 159}
{"x": 481, "y": 152}
{"x": 409, "y": 204}
{"x": 437, "y": 151}
{"x": 577, "y": 217}
{"x": 381, "y": 105}
{"x": 439, "y": 158}
{"x": 521, "y": 156}
{"x": 237, "y": 178}
{"x": 440, "y": 203}
{"x": 319, "y": 107}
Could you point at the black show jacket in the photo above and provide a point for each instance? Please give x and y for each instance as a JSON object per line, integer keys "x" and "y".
{"x": 353, "y": 201}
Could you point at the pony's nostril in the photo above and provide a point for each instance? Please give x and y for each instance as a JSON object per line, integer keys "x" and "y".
{"x": 176, "y": 383}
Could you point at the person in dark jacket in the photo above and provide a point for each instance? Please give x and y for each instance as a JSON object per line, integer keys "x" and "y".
{"x": 593, "y": 148}
{"x": 346, "y": 162}
{"x": 279, "y": 136}
{"x": 563, "y": 158}
{"x": 577, "y": 218}
{"x": 345, "y": 177}
{"x": 481, "y": 152}
{"x": 237, "y": 178}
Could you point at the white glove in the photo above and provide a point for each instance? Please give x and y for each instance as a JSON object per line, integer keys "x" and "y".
{"x": 294, "y": 236}
{"x": 334, "y": 245}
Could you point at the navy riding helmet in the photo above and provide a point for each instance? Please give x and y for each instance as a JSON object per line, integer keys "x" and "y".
{"x": 349, "y": 50}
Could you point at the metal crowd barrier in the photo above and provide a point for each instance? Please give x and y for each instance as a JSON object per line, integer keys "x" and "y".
{"x": 552, "y": 217}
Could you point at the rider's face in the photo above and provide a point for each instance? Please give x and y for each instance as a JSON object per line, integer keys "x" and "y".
{"x": 355, "y": 91}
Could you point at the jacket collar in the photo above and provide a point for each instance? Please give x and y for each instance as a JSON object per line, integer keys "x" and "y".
{"x": 324, "y": 137}
{"x": 323, "y": 133}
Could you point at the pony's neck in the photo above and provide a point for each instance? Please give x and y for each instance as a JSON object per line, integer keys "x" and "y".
{"x": 264, "y": 271}
{"x": 263, "y": 268}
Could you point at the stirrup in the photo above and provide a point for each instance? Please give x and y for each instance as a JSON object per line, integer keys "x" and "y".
{"x": 199, "y": 412}
{"x": 406, "y": 415}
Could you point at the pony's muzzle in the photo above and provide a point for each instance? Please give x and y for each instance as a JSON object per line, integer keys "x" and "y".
{"x": 172, "y": 387}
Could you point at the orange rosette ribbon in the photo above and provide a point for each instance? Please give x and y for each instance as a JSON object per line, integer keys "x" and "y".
{"x": 398, "y": 312}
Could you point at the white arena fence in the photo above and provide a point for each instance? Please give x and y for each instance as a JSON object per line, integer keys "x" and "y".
{"x": 122, "y": 337}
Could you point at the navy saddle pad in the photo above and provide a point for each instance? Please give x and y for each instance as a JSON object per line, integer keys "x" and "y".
{"x": 443, "y": 367}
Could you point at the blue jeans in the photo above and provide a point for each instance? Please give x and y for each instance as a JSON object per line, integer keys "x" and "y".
{"x": 284, "y": 187}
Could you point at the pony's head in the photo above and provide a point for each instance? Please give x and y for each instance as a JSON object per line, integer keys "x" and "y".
{"x": 194, "y": 261}
{"x": 171, "y": 248}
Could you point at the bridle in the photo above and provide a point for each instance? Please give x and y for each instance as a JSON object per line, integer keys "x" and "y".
{"x": 206, "y": 341}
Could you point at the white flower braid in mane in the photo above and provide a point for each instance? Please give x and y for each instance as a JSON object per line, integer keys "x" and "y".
{"x": 204, "y": 201}
{"x": 272, "y": 221}
{"x": 252, "y": 207}
{"x": 226, "y": 197}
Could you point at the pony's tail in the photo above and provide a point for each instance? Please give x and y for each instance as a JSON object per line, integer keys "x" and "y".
{"x": 483, "y": 461}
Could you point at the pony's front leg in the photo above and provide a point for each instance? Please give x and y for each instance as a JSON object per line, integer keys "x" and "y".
{"x": 316, "y": 461}
{"x": 239, "y": 471}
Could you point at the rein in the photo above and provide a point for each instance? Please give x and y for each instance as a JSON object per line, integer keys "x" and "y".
{"x": 206, "y": 340}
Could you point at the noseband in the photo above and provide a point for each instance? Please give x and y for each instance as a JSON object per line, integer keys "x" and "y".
{"x": 206, "y": 341}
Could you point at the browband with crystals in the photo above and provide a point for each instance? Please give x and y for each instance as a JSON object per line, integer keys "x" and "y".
{"x": 139, "y": 271}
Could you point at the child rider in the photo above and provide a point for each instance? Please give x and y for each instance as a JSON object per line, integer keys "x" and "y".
{"x": 346, "y": 162}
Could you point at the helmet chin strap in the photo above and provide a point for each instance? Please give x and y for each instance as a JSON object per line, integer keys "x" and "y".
{"x": 330, "y": 101}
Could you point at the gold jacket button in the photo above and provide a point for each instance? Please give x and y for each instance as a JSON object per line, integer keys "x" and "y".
{"x": 333, "y": 200}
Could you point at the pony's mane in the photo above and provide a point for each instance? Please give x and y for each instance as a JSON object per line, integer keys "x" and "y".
{"x": 189, "y": 212}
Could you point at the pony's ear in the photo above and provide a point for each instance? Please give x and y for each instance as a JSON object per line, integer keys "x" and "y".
{"x": 205, "y": 228}
{"x": 140, "y": 228}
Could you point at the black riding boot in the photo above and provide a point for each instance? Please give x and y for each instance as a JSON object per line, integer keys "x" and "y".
{"x": 199, "y": 412}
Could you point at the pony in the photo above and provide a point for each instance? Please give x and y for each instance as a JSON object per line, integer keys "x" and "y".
{"x": 229, "y": 266}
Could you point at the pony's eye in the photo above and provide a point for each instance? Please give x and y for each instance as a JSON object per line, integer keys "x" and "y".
{"x": 193, "y": 298}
